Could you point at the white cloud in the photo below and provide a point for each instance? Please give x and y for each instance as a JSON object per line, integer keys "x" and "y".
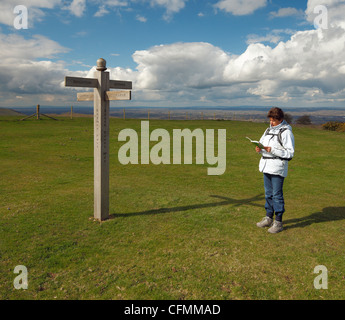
{"x": 171, "y": 6}
{"x": 141, "y": 18}
{"x": 286, "y": 12}
{"x": 25, "y": 68}
{"x": 310, "y": 61}
{"x": 16, "y": 48}
{"x": 170, "y": 67}
{"x": 116, "y": 3}
{"x": 77, "y": 7}
{"x": 101, "y": 11}
{"x": 240, "y": 7}
{"x": 273, "y": 36}
{"x": 107, "y": 5}
{"x": 309, "y": 67}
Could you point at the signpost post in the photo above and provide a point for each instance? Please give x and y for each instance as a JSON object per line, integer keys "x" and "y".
{"x": 101, "y": 97}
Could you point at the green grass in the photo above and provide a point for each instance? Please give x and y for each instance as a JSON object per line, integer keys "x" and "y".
{"x": 174, "y": 232}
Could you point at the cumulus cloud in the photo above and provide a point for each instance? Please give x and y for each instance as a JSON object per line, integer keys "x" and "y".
{"x": 26, "y": 70}
{"x": 15, "y": 47}
{"x": 310, "y": 59}
{"x": 195, "y": 65}
{"x": 310, "y": 66}
{"x": 240, "y": 7}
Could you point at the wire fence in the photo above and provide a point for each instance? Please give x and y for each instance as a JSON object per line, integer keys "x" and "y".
{"x": 155, "y": 114}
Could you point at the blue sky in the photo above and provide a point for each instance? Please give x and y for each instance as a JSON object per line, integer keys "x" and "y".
{"x": 125, "y": 29}
{"x": 177, "y": 52}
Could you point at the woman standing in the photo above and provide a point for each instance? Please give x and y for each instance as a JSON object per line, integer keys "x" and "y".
{"x": 279, "y": 149}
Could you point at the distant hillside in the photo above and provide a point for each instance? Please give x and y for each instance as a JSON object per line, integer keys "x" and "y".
{"x": 9, "y": 112}
{"x": 318, "y": 115}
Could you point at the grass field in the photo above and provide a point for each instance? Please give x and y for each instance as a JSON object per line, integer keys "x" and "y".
{"x": 174, "y": 232}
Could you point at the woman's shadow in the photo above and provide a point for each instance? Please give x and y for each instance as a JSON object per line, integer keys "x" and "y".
{"x": 327, "y": 214}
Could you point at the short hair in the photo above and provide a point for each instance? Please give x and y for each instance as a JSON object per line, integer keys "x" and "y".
{"x": 276, "y": 113}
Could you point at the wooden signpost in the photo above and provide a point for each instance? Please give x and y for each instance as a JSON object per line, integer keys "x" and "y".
{"x": 101, "y": 97}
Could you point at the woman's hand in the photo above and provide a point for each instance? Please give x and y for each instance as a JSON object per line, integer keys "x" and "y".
{"x": 268, "y": 149}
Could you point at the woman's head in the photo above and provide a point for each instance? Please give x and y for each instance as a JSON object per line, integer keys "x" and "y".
{"x": 276, "y": 116}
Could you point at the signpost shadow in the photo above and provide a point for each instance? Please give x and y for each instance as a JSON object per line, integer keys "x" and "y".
{"x": 226, "y": 201}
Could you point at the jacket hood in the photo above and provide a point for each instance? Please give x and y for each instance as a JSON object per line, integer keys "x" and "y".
{"x": 284, "y": 124}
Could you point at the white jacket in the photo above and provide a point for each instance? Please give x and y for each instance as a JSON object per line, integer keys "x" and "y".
{"x": 285, "y": 151}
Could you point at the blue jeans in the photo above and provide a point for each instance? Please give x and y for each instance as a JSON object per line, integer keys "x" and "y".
{"x": 274, "y": 196}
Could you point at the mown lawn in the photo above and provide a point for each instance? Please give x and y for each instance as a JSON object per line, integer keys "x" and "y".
{"x": 174, "y": 232}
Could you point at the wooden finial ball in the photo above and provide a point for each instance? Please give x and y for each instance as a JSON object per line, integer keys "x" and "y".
{"x": 101, "y": 65}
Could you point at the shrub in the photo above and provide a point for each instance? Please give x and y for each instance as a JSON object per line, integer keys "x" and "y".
{"x": 341, "y": 127}
{"x": 334, "y": 126}
{"x": 304, "y": 120}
